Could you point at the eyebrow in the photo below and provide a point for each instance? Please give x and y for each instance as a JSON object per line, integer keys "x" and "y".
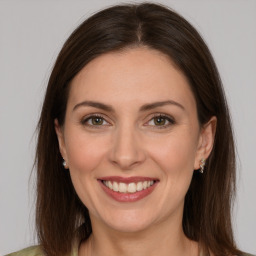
{"x": 160, "y": 104}
{"x": 144, "y": 107}
{"x": 95, "y": 105}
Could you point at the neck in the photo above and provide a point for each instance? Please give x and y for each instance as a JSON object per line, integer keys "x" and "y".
{"x": 161, "y": 240}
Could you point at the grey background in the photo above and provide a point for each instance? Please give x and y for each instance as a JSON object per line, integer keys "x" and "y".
{"x": 31, "y": 34}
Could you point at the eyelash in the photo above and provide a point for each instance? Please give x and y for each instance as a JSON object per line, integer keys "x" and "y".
{"x": 167, "y": 118}
{"x": 85, "y": 120}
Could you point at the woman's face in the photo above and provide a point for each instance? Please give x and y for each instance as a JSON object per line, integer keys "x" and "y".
{"x": 132, "y": 140}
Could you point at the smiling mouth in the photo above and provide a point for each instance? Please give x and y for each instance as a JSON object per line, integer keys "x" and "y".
{"x": 128, "y": 189}
{"x": 132, "y": 187}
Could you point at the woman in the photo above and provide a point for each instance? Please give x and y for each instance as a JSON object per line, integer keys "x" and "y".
{"x": 135, "y": 151}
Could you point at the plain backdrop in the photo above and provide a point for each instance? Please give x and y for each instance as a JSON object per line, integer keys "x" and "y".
{"x": 31, "y": 35}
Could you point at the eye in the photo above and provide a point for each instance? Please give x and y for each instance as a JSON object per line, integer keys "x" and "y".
{"x": 161, "y": 121}
{"x": 94, "y": 120}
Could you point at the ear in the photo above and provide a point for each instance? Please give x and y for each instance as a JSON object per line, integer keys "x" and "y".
{"x": 205, "y": 142}
{"x": 60, "y": 136}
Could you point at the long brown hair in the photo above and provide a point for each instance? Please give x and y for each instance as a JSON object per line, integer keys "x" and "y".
{"x": 208, "y": 203}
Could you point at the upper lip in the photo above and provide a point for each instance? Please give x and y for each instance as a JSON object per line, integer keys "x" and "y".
{"x": 127, "y": 180}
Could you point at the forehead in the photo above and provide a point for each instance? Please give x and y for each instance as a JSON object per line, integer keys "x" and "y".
{"x": 131, "y": 76}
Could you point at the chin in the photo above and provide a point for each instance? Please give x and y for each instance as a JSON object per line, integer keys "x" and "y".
{"x": 129, "y": 221}
{"x": 129, "y": 227}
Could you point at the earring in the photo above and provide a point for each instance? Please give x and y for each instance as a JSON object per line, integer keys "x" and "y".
{"x": 202, "y": 165}
{"x": 64, "y": 163}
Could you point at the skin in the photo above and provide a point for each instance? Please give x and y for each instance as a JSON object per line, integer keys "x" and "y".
{"x": 129, "y": 142}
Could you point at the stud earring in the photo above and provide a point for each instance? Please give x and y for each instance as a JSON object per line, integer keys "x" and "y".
{"x": 202, "y": 165}
{"x": 64, "y": 163}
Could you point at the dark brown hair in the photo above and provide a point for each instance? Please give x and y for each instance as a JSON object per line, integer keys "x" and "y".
{"x": 207, "y": 210}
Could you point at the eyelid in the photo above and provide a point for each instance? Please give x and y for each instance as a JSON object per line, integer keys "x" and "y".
{"x": 85, "y": 119}
{"x": 169, "y": 118}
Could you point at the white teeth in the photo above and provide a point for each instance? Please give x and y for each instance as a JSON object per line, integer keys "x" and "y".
{"x": 132, "y": 188}
{"x": 145, "y": 184}
{"x": 115, "y": 186}
{"x": 127, "y": 188}
{"x": 139, "y": 186}
{"x": 110, "y": 185}
{"x": 122, "y": 188}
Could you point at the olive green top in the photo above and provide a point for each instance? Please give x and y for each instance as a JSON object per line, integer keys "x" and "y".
{"x": 31, "y": 251}
{"x": 36, "y": 251}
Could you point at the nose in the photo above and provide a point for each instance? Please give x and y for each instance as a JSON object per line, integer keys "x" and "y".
{"x": 127, "y": 149}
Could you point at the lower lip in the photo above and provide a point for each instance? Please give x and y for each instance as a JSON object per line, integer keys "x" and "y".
{"x": 128, "y": 197}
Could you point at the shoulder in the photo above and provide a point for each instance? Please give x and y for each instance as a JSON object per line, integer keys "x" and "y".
{"x": 30, "y": 251}
{"x": 37, "y": 251}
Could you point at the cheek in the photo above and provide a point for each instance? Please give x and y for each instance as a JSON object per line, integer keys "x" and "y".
{"x": 85, "y": 152}
{"x": 175, "y": 153}
{"x": 175, "y": 157}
